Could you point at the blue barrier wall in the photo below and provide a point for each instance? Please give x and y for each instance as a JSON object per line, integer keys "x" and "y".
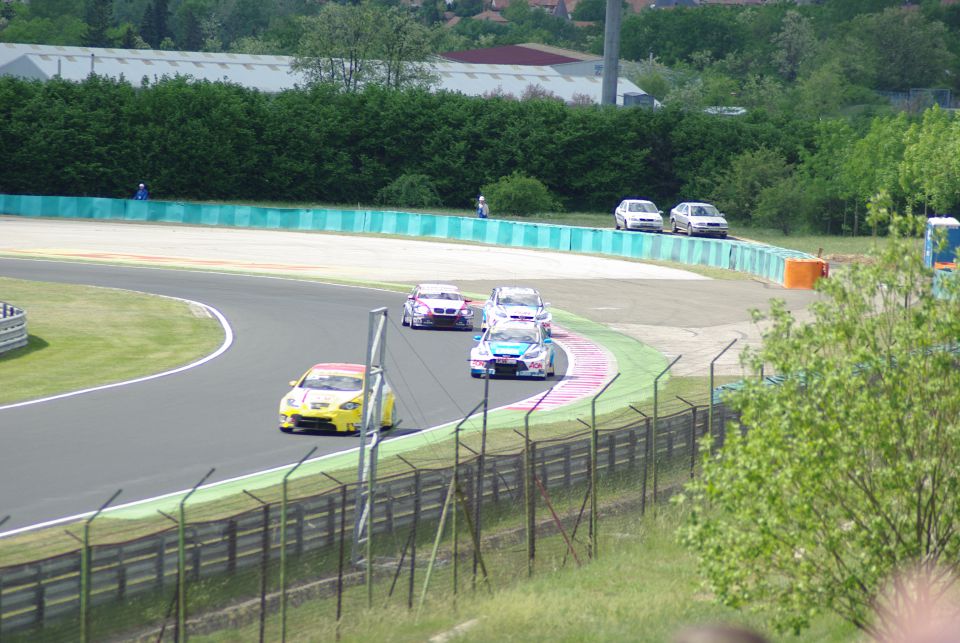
{"x": 756, "y": 259}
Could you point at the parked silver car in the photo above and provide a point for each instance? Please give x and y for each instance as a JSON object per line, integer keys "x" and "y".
{"x": 696, "y": 218}
{"x": 638, "y": 214}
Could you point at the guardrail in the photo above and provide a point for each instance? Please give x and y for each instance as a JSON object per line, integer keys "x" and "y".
{"x": 13, "y": 327}
{"x": 40, "y": 593}
{"x": 761, "y": 260}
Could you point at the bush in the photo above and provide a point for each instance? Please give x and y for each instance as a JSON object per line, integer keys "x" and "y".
{"x": 411, "y": 191}
{"x": 519, "y": 195}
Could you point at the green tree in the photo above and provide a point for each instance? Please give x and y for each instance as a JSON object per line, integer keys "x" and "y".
{"x": 99, "y": 21}
{"x": 795, "y": 44}
{"x": 357, "y": 45}
{"x": 897, "y": 49}
{"x": 849, "y": 470}
{"x": 930, "y": 169}
{"x": 739, "y": 185}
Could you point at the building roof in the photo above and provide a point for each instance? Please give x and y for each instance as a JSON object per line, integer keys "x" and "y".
{"x": 491, "y": 16}
{"x": 275, "y": 73}
{"x": 507, "y": 55}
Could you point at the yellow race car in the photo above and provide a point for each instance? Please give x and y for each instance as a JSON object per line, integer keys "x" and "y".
{"x": 330, "y": 397}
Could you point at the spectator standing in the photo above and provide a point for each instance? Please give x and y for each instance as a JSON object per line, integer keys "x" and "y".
{"x": 483, "y": 210}
{"x": 142, "y": 194}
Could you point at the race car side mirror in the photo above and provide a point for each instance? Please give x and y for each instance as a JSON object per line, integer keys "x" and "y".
{"x": 546, "y": 303}
{"x": 293, "y": 382}
{"x": 409, "y": 296}
{"x": 477, "y": 337}
{"x": 548, "y": 341}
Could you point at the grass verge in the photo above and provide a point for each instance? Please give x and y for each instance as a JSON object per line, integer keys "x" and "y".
{"x": 643, "y": 587}
{"x": 83, "y": 336}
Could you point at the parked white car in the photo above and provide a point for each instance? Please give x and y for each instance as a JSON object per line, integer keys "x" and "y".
{"x": 517, "y": 304}
{"x": 437, "y": 306}
{"x": 638, "y": 214}
{"x": 696, "y": 218}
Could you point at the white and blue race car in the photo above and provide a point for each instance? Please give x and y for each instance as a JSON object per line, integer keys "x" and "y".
{"x": 514, "y": 349}
{"x": 515, "y": 303}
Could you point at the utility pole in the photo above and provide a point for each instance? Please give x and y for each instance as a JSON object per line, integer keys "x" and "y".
{"x": 611, "y": 52}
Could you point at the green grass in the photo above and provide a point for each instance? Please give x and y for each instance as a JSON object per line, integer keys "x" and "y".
{"x": 831, "y": 245}
{"x": 643, "y": 587}
{"x": 83, "y": 336}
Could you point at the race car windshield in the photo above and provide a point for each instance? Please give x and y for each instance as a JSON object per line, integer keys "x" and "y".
{"x": 641, "y": 207}
{"x": 513, "y": 335}
{"x": 520, "y": 300}
{"x": 324, "y": 382}
{"x": 452, "y": 296}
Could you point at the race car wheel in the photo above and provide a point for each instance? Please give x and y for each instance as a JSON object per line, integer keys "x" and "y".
{"x": 689, "y": 230}
{"x": 673, "y": 226}
{"x": 616, "y": 222}
{"x": 474, "y": 375}
{"x": 403, "y": 318}
{"x": 286, "y": 429}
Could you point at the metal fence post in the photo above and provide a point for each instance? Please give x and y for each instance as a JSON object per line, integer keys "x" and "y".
{"x": 481, "y": 462}
{"x": 528, "y": 483}
{"x": 182, "y": 562}
{"x": 455, "y": 481}
{"x": 693, "y": 433}
{"x": 656, "y": 412}
{"x": 712, "y": 362}
{"x": 264, "y": 561}
{"x": 283, "y": 547}
{"x": 85, "y": 571}
{"x": 593, "y": 466}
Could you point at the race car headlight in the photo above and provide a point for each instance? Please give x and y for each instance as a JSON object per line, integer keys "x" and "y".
{"x": 466, "y": 312}
{"x": 533, "y": 351}
{"x": 482, "y": 351}
{"x": 349, "y": 406}
{"x": 421, "y": 309}
{"x": 543, "y": 315}
{"x": 500, "y": 313}
{"x": 292, "y": 403}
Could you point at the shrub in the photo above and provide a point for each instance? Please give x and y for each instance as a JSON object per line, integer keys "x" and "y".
{"x": 410, "y": 190}
{"x": 519, "y": 195}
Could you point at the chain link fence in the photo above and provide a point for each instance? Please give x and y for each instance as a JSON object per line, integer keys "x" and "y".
{"x": 484, "y": 515}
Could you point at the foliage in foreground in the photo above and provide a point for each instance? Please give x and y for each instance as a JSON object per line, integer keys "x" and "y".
{"x": 848, "y": 474}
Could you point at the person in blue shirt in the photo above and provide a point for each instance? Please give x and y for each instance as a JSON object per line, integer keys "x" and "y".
{"x": 483, "y": 210}
{"x": 142, "y": 194}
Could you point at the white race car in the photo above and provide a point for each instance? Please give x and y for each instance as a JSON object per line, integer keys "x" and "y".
{"x": 515, "y": 349}
{"x": 638, "y": 214}
{"x": 437, "y": 306}
{"x": 516, "y": 303}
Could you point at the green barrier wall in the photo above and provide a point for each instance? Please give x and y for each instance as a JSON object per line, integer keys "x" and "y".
{"x": 756, "y": 259}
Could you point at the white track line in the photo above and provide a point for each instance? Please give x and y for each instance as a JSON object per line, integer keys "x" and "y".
{"x": 227, "y": 341}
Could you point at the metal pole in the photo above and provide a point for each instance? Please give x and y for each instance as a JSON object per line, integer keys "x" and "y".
{"x": 611, "y": 52}
{"x": 436, "y": 546}
{"x": 693, "y": 433}
{"x": 343, "y": 537}
{"x": 85, "y": 570}
{"x": 646, "y": 446}
{"x": 372, "y": 418}
{"x": 656, "y": 413}
{"x": 528, "y": 483}
{"x": 264, "y": 562}
{"x": 456, "y": 485}
{"x": 710, "y": 414}
{"x": 481, "y": 462}
{"x": 182, "y": 561}
{"x": 283, "y": 546}
{"x": 593, "y": 466}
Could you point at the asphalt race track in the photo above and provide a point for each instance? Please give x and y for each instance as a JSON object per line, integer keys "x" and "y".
{"x": 67, "y": 456}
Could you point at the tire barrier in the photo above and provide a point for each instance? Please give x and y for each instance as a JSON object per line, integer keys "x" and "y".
{"x": 767, "y": 262}
{"x": 13, "y": 327}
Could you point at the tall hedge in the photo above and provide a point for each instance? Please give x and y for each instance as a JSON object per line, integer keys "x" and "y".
{"x": 200, "y": 140}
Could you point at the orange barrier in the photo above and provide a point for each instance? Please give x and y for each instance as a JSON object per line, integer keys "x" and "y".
{"x": 802, "y": 274}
